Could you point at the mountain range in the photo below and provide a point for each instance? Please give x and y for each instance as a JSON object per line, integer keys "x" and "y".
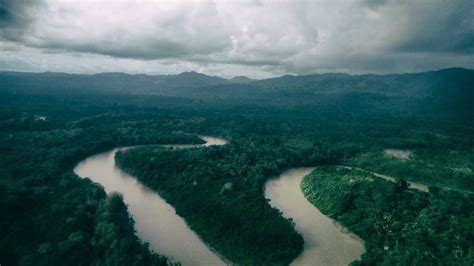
{"x": 448, "y": 89}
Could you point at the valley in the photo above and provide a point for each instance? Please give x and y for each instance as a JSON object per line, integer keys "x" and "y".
{"x": 155, "y": 220}
{"x": 221, "y": 195}
{"x": 246, "y": 133}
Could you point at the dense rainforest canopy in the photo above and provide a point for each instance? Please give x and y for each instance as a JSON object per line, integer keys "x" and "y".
{"x": 400, "y": 225}
{"x": 53, "y": 217}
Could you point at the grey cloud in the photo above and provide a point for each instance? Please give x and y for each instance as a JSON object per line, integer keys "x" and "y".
{"x": 445, "y": 26}
{"x": 265, "y": 38}
{"x": 374, "y": 3}
{"x": 156, "y": 49}
{"x": 173, "y": 37}
{"x": 16, "y": 16}
{"x": 12, "y": 13}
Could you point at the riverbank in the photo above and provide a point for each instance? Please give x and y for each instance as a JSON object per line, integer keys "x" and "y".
{"x": 393, "y": 220}
{"x": 208, "y": 187}
{"x": 326, "y": 242}
{"x": 156, "y": 221}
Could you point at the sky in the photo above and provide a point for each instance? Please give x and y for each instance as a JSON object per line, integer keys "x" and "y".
{"x": 259, "y": 39}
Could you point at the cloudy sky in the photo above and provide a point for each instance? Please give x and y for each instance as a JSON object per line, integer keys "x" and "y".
{"x": 254, "y": 38}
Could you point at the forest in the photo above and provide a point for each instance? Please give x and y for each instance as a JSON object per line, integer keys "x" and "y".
{"x": 400, "y": 225}
{"x": 53, "y": 217}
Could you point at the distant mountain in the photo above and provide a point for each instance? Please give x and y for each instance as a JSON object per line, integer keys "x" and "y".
{"x": 194, "y": 78}
{"x": 413, "y": 84}
{"x": 241, "y": 79}
{"x": 62, "y": 83}
{"x": 450, "y": 89}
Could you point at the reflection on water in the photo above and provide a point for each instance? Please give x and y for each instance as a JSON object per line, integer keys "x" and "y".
{"x": 326, "y": 242}
{"x": 155, "y": 220}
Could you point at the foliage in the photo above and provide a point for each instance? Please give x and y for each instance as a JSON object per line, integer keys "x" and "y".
{"x": 52, "y": 217}
{"x": 234, "y": 219}
{"x": 400, "y": 226}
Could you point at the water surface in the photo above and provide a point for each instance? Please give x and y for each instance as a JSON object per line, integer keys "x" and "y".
{"x": 155, "y": 220}
{"x": 326, "y": 242}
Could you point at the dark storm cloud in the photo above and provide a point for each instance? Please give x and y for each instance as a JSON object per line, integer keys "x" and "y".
{"x": 16, "y": 16}
{"x": 447, "y": 27}
{"x": 375, "y": 3}
{"x": 12, "y": 13}
{"x": 153, "y": 49}
{"x": 107, "y": 28}
{"x": 259, "y": 37}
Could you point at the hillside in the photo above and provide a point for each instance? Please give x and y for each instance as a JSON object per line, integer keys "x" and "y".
{"x": 446, "y": 92}
{"x": 105, "y": 83}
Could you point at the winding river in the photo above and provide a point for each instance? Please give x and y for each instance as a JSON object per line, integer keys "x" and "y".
{"x": 155, "y": 220}
{"x": 326, "y": 242}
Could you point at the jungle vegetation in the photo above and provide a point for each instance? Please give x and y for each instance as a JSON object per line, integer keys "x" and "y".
{"x": 53, "y": 217}
{"x": 400, "y": 225}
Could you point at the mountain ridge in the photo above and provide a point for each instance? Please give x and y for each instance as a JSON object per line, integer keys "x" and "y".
{"x": 239, "y": 76}
{"x": 446, "y": 92}
{"x": 452, "y": 87}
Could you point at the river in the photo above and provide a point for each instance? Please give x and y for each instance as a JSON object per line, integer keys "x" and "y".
{"x": 155, "y": 220}
{"x": 326, "y": 242}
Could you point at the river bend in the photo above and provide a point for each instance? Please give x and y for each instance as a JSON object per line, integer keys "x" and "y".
{"x": 156, "y": 221}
